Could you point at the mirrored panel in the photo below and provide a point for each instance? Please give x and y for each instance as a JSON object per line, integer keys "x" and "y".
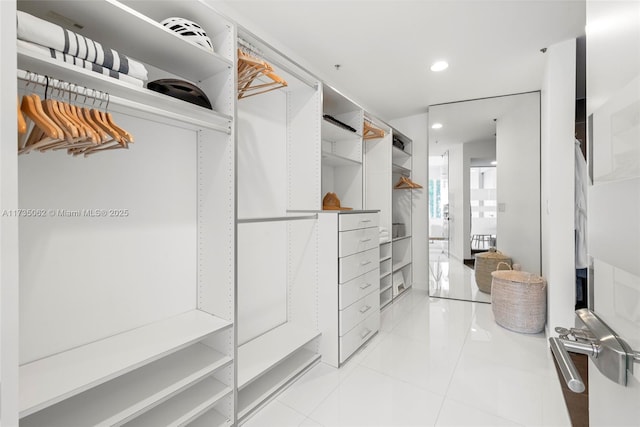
{"x": 492, "y": 152}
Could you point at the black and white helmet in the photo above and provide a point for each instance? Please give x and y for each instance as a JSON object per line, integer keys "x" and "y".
{"x": 190, "y": 30}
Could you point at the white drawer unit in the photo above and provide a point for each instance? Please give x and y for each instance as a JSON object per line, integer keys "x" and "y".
{"x": 357, "y": 288}
{"x": 351, "y": 316}
{"x": 357, "y": 220}
{"x": 359, "y": 335}
{"x": 349, "y": 282}
{"x": 357, "y": 264}
{"x": 358, "y": 240}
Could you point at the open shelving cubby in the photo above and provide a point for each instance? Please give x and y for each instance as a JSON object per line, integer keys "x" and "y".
{"x": 342, "y": 170}
{"x": 139, "y": 307}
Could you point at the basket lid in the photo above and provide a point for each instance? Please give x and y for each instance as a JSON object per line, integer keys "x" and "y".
{"x": 517, "y": 276}
{"x": 492, "y": 254}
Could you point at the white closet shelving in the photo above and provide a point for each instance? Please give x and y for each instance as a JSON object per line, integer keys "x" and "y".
{"x": 130, "y": 319}
{"x": 377, "y": 175}
{"x": 278, "y": 187}
{"x": 402, "y": 258}
{"x": 385, "y": 163}
{"x": 342, "y": 148}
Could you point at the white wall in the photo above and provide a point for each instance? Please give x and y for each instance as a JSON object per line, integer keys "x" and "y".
{"x": 518, "y": 172}
{"x": 416, "y": 128}
{"x": 558, "y": 106}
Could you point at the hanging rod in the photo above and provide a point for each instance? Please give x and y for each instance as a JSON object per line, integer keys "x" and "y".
{"x": 277, "y": 218}
{"x": 251, "y": 48}
{"x": 116, "y": 103}
{"x": 61, "y": 86}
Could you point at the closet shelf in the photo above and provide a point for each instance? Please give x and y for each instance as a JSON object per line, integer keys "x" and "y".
{"x": 399, "y": 154}
{"x": 261, "y": 389}
{"x": 400, "y": 265}
{"x": 125, "y": 97}
{"x": 397, "y": 239}
{"x": 263, "y": 353}
{"x": 211, "y": 418}
{"x": 385, "y": 258}
{"x": 335, "y": 133}
{"x": 124, "y": 29}
{"x": 119, "y": 400}
{"x": 186, "y": 406}
{"x": 400, "y": 169}
{"x": 386, "y": 288}
{"x": 47, "y": 381}
{"x": 330, "y": 159}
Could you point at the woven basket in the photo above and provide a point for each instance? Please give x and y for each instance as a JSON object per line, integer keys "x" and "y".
{"x": 485, "y": 264}
{"x": 519, "y": 301}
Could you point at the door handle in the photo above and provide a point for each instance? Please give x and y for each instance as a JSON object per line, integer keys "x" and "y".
{"x": 567, "y": 368}
{"x": 610, "y": 353}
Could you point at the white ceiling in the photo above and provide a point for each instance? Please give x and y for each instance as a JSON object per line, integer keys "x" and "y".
{"x": 385, "y": 47}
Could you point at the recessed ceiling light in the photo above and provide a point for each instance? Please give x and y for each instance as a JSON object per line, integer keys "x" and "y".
{"x": 436, "y": 126}
{"x": 439, "y": 66}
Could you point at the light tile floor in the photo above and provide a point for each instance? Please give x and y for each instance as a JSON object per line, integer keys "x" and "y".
{"x": 435, "y": 362}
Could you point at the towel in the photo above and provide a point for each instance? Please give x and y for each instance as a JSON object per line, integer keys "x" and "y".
{"x": 45, "y": 33}
{"x": 55, "y": 54}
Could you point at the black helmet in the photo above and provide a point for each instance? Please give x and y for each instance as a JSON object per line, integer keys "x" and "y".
{"x": 182, "y": 90}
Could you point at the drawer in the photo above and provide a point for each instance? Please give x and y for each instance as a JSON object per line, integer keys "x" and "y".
{"x": 351, "y": 316}
{"x": 353, "y": 339}
{"x": 357, "y": 264}
{"x": 362, "y": 239}
{"x": 348, "y": 222}
{"x": 358, "y": 288}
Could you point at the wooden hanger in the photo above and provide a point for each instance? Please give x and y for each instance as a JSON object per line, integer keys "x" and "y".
{"x": 250, "y": 70}
{"x": 44, "y": 131}
{"x": 22, "y": 124}
{"x": 371, "y": 132}
{"x": 406, "y": 183}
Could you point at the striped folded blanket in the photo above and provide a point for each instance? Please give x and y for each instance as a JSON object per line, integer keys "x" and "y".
{"x": 45, "y": 33}
{"x": 33, "y": 48}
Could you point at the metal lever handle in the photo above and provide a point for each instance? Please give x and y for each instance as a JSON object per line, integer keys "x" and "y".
{"x": 568, "y": 369}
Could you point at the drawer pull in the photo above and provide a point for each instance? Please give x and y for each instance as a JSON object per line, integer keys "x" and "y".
{"x": 365, "y": 220}
{"x": 368, "y": 285}
{"x": 365, "y": 309}
{"x": 365, "y": 334}
{"x": 363, "y": 263}
{"x": 364, "y": 240}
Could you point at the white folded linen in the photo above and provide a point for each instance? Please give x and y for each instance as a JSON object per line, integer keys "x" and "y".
{"x": 35, "y": 30}
{"x": 36, "y": 49}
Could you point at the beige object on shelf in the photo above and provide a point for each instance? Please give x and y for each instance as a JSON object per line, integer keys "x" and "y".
{"x": 519, "y": 300}
{"x": 331, "y": 202}
{"x": 485, "y": 264}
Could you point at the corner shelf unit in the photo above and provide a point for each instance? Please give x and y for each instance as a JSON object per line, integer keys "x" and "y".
{"x": 139, "y": 309}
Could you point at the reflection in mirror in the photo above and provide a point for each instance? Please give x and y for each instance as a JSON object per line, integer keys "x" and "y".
{"x": 492, "y": 146}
